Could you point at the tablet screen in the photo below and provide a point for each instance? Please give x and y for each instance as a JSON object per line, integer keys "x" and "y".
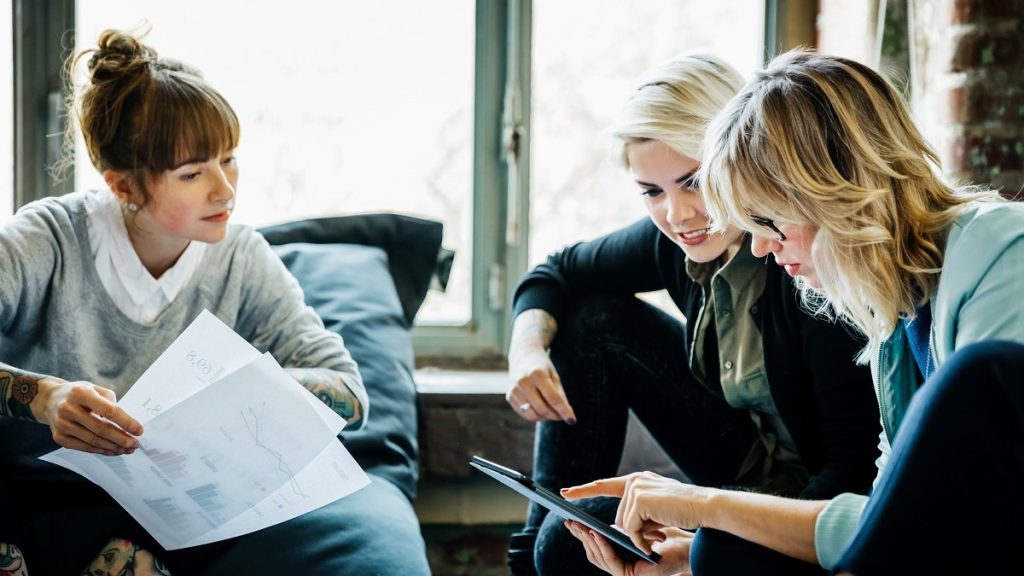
{"x": 555, "y": 503}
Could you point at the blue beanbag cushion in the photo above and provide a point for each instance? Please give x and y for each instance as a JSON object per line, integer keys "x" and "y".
{"x": 350, "y": 287}
{"x": 366, "y": 275}
{"x": 413, "y": 247}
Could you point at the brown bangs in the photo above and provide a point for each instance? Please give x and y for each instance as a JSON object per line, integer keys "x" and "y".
{"x": 186, "y": 120}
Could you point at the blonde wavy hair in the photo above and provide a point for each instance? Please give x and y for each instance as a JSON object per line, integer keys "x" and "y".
{"x": 673, "y": 104}
{"x": 826, "y": 141}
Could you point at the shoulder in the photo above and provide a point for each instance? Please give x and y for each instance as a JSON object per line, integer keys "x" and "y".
{"x": 58, "y": 218}
{"x": 67, "y": 208}
{"x": 980, "y": 236}
{"x": 997, "y": 223}
{"x": 243, "y": 240}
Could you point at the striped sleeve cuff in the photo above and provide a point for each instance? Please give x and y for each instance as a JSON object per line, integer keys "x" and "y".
{"x": 835, "y": 527}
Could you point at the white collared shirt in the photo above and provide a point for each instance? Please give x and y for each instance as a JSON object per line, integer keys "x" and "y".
{"x": 132, "y": 288}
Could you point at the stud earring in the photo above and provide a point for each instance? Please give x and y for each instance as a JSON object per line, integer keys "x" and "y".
{"x": 132, "y": 207}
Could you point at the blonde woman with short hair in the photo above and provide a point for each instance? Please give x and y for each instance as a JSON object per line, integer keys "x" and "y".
{"x": 818, "y": 157}
{"x": 751, "y": 392}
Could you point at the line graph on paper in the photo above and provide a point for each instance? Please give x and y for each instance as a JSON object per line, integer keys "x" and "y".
{"x": 254, "y": 424}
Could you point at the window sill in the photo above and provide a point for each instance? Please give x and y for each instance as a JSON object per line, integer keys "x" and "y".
{"x": 464, "y": 414}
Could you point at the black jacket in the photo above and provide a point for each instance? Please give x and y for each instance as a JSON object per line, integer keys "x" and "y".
{"x": 826, "y": 401}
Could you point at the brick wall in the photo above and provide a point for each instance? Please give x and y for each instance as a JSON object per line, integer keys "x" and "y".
{"x": 969, "y": 87}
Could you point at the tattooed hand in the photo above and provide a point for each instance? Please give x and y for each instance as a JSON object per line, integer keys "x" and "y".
{"x": 330, "y": 388}
{"x": 12, "y": 563}
{"x": 81, "y": 415}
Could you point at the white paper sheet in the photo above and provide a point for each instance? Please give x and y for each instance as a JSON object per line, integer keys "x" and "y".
{"x": 232, "y": 444}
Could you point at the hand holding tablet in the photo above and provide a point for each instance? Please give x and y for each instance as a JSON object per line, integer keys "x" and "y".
{"x": 560, "y": 506}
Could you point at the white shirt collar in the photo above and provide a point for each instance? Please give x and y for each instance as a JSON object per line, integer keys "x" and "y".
{"x": 120, "y": 268}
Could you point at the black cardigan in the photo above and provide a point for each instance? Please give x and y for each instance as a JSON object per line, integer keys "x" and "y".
{"x": 826, "y": 401}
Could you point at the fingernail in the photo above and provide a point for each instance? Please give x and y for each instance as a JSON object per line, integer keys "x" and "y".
{"x": 563, "y": 490}
{"x": 570, "y": 421}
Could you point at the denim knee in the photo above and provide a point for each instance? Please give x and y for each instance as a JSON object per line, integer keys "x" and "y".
{"x": 558, "y": 552}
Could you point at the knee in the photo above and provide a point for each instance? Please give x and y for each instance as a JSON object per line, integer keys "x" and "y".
{"x": 990, "y": 356}
{"x": 717, "y": 553}
{"x": 992, "y": 368}
{"x": 556, "y": 548}
{"x": 592, "y": 314}
{"x": 559, "y": 552}
{"x": 708, "y": 552}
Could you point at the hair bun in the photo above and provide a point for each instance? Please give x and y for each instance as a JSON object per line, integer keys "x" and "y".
{"x": 119, "y": 53}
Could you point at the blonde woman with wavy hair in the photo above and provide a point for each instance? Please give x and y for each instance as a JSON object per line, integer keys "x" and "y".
{"x": 818, "y": 157}
{"x": 752, "y": 393}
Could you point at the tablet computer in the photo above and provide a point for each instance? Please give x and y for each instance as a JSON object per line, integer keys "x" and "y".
{"x": 555, "y": 503}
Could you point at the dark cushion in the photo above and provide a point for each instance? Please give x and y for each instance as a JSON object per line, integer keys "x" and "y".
{"x": 350, "y": 286}
{"x": 413, "y": 246}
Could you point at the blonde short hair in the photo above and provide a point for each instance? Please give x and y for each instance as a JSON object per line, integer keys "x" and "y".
{"x": 673, "y": 104}
{"x": 826, "y": 141}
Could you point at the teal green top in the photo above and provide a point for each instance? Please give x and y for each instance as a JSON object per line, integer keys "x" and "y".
{"x": 978, "y": 299}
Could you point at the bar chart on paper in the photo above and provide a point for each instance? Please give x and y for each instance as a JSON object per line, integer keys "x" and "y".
{"x": 235, "y": 454}
{"x": 170, "y": 463}
{"x": 208, "y": 498}
{"x": 168, "y": 510}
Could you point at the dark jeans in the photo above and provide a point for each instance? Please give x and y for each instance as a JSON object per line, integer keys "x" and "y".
{"x": 614, "y": 354}
{"x": 61, "y": 521}
{"x": 951, "y": 500}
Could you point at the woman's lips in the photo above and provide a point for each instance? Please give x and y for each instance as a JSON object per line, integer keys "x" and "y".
{"x": 694, "y": 237}
{"x": 218, "y": 217}
{"x": 792, "y": 269}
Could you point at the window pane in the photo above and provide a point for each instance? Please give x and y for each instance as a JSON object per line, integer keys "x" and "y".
{"x": 586, "y": 56}
{"x": 346, "y": 107}
{"x": 6, "y": 111}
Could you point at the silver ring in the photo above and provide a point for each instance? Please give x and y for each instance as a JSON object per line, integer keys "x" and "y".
{"x": 524, "y": 407}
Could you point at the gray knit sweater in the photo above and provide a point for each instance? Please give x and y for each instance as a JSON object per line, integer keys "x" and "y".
{"x": 57, "y": 319}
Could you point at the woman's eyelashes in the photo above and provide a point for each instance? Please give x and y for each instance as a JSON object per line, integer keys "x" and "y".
{"x": 650, "y": 192}
{"x": 228, "y": 161}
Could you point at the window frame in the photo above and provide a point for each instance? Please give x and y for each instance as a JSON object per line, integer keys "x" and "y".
{"x": 501, "y": 152}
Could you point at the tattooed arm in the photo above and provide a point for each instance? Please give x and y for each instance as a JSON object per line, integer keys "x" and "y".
{"x": 330, "y": 387}
{"x": 122, "y": 557}
{"x": 536, "y": 390}
{"x": 18, "y": 391}
{"x": 12, "y": 563}
{"x": 81, "y": 415}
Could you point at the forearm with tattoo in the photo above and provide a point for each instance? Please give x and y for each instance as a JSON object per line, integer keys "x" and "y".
{"x": 17, "y": 390}
{"x": 330, "y": 388}
{"x": 122, "y": 557}
{"x": 12, "y": 563}
{"x": 534, "y": 326}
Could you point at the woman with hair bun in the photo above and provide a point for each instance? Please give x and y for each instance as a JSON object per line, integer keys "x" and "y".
{"x": 95, "y": 285}
{"x": 820, "y": 160}
{"x": 750, "y": 393}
